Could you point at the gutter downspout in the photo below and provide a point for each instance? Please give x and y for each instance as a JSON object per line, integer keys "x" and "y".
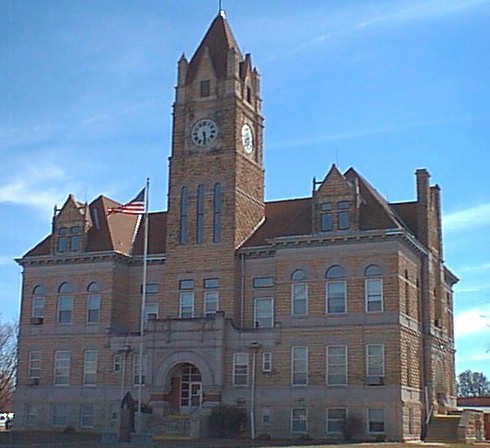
{"x": 242, "y": 292}
{"x": 254, "y": 347}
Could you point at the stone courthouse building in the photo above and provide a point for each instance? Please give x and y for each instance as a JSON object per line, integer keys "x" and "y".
{"x": 308, "y": 312}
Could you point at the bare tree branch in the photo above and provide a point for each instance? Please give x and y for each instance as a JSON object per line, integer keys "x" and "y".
{"x": 8, "y": 362}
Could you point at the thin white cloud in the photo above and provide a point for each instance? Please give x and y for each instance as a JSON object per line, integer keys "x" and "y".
{"x": 475, "y": 320}
{"x": 480, "y": 357}
{"x": 472, "y": 217}
{"x": 477, "y": 268}
{"x": 472, "y": 288}
{"x": 6, "y": 260}
{"x": 353, "y": 22}
{"x": 41, "y": 186}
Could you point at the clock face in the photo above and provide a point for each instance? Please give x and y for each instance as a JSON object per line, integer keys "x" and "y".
{"x": 247, "y": 139}
{"x": 204, "y": 132}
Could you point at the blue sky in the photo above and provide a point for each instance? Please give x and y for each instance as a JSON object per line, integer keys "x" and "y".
{"x": 384, "y": 86}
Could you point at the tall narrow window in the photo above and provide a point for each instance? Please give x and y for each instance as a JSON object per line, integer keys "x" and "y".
{"x": 62, "y": 368}
{"x": 211, "y": 296}
{"x": 337, "y": 365}
{"x": 87, "y": 416}
{"x": 240, "y": 369}
{"x": 343, "y": 215}
{"x": 326, "y": 217}
{"x": 407, "y": 293}
{"x": 376, "y": 421}
{"x": 65, "y": 304}
{"x": 200, "y": 215}
{"x": 93, "y": 303}
{"x": 298, "y": 420}
{"x": 299, "y": 294}
{"x": 375, "y": 360}
{"x": 264, "y": 313}
{"x": 336, "y": 420}
{"x": 38, "y": 297}
{"x": 139, "y": 369}
{"x": 186, "y": 309}
{"x": 267, "y": 362}
{"x": 217, "y": 209}
{"x": 59, "y": 414}
{"x": 336, "y": 290}
{"x": 90, "y": 367}
{"x": 205, "y": 88}
{"x": 299, "y": 366}
{"x": 34, "y": 365}
{"x": 184, "y": 206}
{"x": 373, "y": 287}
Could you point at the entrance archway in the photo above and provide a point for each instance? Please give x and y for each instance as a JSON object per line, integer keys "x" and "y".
{"x": 185, "y": 395}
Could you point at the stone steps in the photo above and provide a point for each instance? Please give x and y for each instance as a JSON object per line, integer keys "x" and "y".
{"x": 443, "y": 428}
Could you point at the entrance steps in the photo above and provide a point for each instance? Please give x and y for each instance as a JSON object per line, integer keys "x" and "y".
{"x": 443, "y": 428}
{"x": 171, "y": 427}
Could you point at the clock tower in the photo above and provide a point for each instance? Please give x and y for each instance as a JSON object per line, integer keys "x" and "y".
{"x": 216, "y": 178}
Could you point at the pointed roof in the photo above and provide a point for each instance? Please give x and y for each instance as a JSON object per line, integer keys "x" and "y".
{"x": 219, "y": 40}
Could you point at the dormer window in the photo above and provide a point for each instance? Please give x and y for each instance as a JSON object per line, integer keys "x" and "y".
{"x": 69, "y": 239}
{"x": 343, "y": 215}
{"x": 205, "y": 88}
{"x": 326, "y": 217}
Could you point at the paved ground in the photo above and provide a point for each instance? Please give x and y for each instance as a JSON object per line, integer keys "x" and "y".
{"x": 45, "y": 439}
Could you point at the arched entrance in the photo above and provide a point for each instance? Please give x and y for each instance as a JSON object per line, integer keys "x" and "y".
{"x": 186, "y": 388}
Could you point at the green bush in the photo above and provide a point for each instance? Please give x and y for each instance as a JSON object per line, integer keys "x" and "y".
{"x": 227, "y": 421}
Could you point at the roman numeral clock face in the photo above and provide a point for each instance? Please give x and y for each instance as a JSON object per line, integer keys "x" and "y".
{"x": 204, "y": 132}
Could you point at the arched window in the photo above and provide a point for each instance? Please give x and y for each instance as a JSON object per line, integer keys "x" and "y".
{"x": 299, "y": 294}
{"x": 38, "y": 298}
{"x": 65, "y": 303}
{"x": 200, "y": 215}
{"x": 93, "y": 303}
{"x": 184, "y": 206}
{"x": 336, "y": 290}
{"x": 373, "y": 287}
{"x": 217, "y": 208}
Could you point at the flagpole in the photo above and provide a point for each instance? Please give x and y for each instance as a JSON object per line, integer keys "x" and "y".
{"x": 143, "y": 303}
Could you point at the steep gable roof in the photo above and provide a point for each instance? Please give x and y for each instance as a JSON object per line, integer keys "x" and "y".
{"x": 283, "y": 218}
{"x": 218, "y": 40}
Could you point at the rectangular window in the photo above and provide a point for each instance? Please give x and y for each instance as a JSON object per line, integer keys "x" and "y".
{"x": 326, "y": 222}
{"x": 344, "y": 220}
{"x": 263, "y": 282}
{"x": 267, "y": 362}
{"x": 336, "y": 420}
{"x": 264, "y": 313}
{"x": 374, "y": 294}
{"x": 299, "y": 366}
{"x": 186, "y": 284}
{"x": 65, "y": 309}
{"x": 337, "y": 365}
{"x": 210, "y": 283}
{"x": 93, "y": 309}
{"x": 240, "y": 369}
{"x": 151, "y": 289}
{"x": 375, "y": 360}
{"x": 186, "y": 304}
{"x": 60, "y": 414}
{"x": 76, "y": 243}
{"x": 38, "y": 307}
{"x": 299, "y": 420}
{"x": 30, "y": 414}
{"x": 139, "y": 370}
{"x": 300, "y": 299}
{"x": 200, "y": 215}
{"x": 87, "y": 416}
{"x": 151, "y": 311}
{"x": 117, "y": 363}
{"x": 90, "y": 367}
{"x": 34, "y": 365}
{"x": 63, "y": 244}
{"x": 336, "y": 297}
{"x": 376, "y": 421}
{"x": 205, "y": 88}
{"x": 210, "y": 302}
{"x": 62, "y": 368}
{"x": 266, "y": 416}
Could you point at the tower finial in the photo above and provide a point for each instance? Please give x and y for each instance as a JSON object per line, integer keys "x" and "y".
{"x": 221, "y": 11}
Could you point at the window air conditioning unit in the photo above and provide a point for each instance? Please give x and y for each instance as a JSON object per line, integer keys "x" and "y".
{"x": 34, "y": 381}
{"x": 375, "y": 380}
{"x": 37, "y": 320}
{"x": 152, "y": 317}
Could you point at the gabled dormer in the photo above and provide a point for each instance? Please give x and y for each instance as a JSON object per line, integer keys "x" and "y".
{"x": 335, "y": 205}
{"x": 70, "y": 226}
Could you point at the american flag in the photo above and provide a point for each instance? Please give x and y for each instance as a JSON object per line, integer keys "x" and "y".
{"x": 134, "y": 207}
